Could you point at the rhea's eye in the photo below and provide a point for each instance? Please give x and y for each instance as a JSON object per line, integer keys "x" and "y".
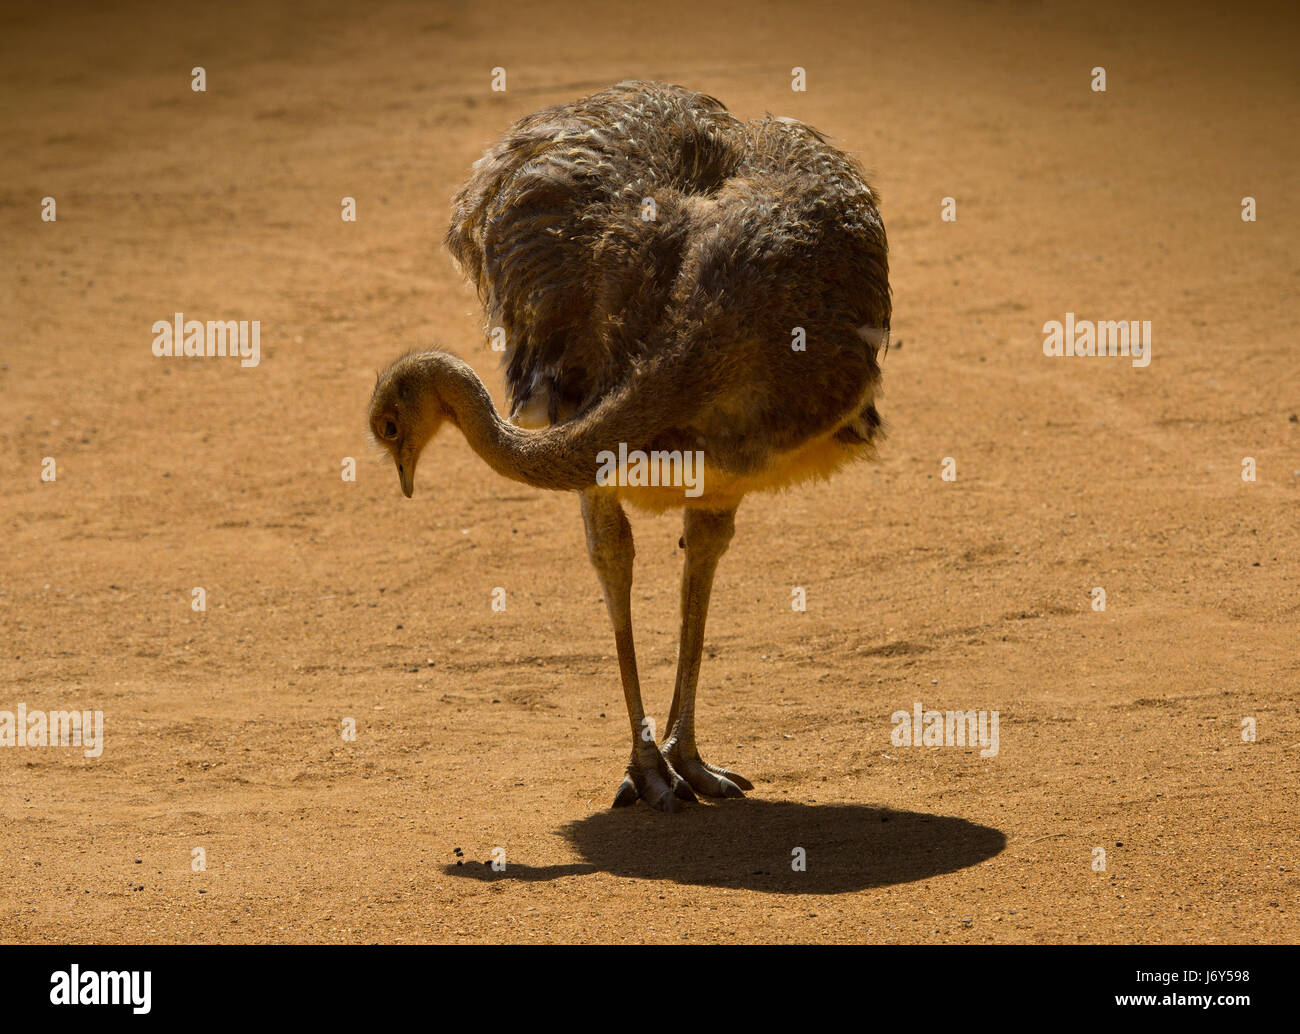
{"x": 390, "y": 429}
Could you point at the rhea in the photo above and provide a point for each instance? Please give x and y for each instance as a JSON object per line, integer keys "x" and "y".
{"x": 668, "y": 278}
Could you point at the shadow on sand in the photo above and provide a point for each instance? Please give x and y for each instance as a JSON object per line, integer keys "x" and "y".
{"x": 749, "y": 843}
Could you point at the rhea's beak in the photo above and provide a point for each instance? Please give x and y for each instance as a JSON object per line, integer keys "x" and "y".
{"x": 406, "y": 471}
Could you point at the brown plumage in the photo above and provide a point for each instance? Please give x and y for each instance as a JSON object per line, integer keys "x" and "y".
{"x": 649, "y": 257}
{"x": 758, "y": 228}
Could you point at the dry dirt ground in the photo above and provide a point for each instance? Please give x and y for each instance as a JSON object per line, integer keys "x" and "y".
{"x": 1120, "y": 730}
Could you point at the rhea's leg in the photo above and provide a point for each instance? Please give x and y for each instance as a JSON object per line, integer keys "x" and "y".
{"x": 706, "y": 534}
{"x": 609, "y": 541}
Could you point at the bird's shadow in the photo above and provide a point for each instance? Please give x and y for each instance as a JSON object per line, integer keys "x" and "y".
{"x": 755, "y": 845}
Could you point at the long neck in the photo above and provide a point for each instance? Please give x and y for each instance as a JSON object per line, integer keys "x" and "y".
{"x": 561, "y": 458}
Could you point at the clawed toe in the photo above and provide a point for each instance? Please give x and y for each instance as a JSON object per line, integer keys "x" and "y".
{"x": 627, "y": 794}
{"x": 708, "y": 780}
{"x": 739, "y": 780}
{"x": 654, "y": 781}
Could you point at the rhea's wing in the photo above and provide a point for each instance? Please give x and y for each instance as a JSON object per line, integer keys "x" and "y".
{"x": 555, "y": 230}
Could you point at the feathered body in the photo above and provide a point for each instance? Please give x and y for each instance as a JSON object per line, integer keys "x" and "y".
{"x": 646, "y": 244}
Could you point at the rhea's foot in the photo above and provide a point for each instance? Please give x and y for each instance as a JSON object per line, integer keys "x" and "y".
{"x": 708, "y": 780}
{"x": 650, "y": 778}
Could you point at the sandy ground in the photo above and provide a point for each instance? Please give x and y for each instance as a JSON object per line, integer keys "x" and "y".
{"x": 326, "y": 599}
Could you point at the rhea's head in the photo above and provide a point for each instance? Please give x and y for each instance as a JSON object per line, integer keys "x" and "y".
{"x": 406, "y": 412}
